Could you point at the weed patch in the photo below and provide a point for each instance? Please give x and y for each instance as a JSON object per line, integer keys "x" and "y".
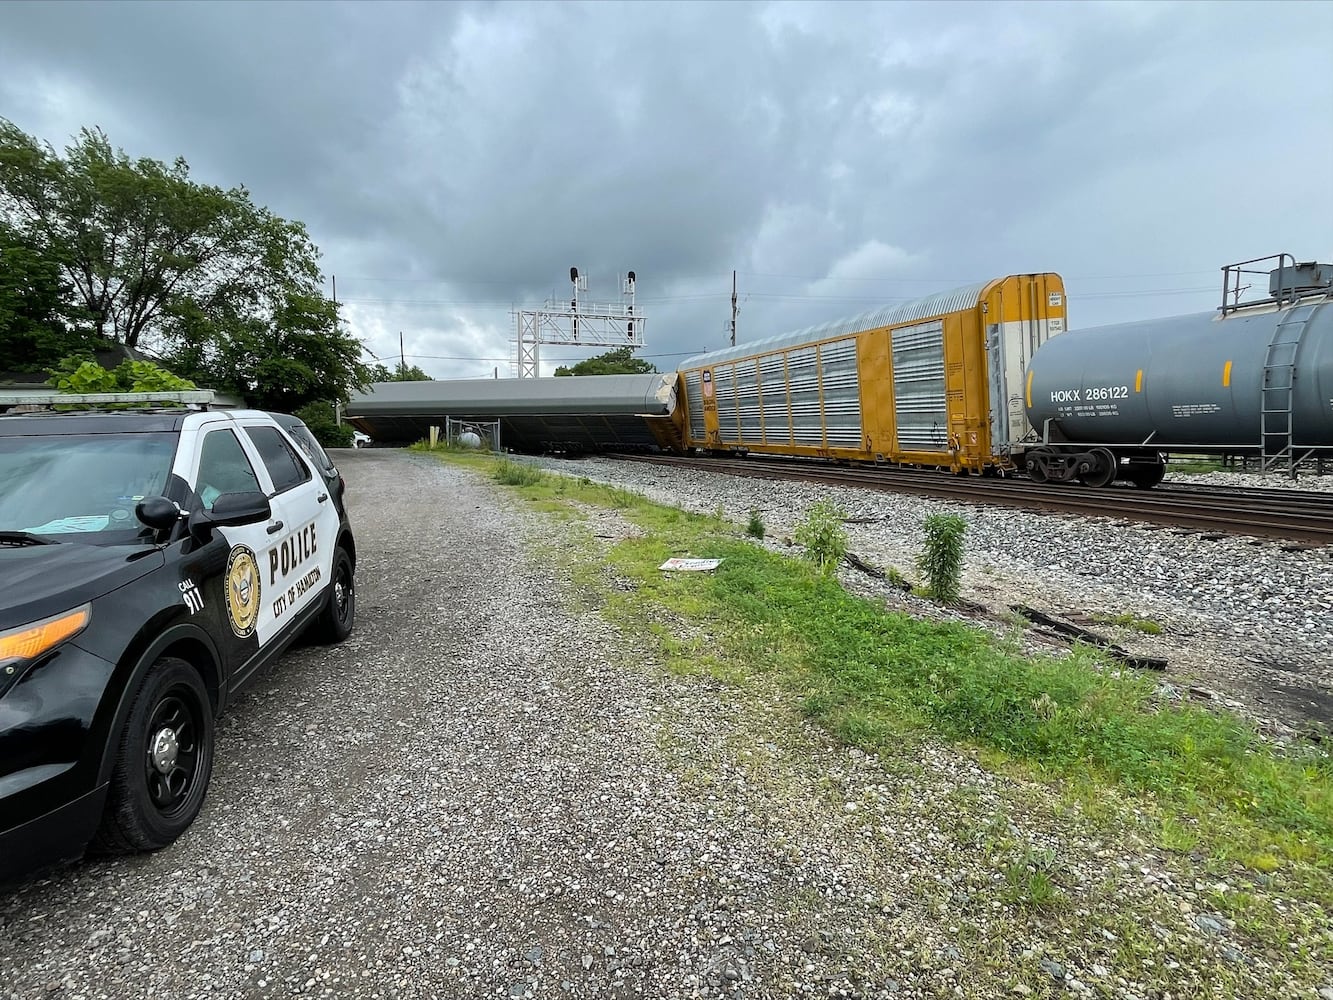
{"x": 1145, "y": 625}
{"x": 941, "y": 560}
{"x": 823, "y": 537}
{"x": 517, "y": 473}
{"x": 755, "y": 529}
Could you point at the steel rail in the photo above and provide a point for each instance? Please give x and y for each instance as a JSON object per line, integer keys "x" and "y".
{"x": 1293, "y": 515}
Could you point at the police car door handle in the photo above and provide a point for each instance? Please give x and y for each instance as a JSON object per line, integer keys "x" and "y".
{"x": 322, "y": 497}
{"x": 275, "y": 527}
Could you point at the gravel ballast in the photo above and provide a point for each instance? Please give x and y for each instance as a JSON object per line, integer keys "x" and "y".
{"x": 488, "y": 792}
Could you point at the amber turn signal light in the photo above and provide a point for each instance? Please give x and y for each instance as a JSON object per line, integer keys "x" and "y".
{"x": 20, "y": 646}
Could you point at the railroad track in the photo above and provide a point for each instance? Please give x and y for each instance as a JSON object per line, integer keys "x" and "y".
{"x": 1293, "y": 515}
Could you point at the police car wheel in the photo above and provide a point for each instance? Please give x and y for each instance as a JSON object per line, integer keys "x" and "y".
{"x": 163, "y": 762}
{"x": 335, "y": 622}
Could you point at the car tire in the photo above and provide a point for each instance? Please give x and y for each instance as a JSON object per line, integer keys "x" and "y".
{"x": 336, "y": 621}
{"x": 163, "y": 762}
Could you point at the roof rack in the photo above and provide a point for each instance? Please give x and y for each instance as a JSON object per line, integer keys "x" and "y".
{"x": 93, "y": 400}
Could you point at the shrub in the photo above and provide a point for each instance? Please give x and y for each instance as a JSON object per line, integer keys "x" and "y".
{"x": 823, "y": 536}
{"x": 517, "y": 473}
{"x": 941, "y": 561}
{"x": 323, "y": 423}
{"x": 755, "y": 529}
{"x": 75, "y": 374}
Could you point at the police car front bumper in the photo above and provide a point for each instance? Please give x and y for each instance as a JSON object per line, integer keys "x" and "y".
{"x": 59, "y": 835}
{"x": 51, "y": 801}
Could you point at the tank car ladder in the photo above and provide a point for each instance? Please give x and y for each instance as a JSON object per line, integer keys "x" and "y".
{"x": 1276, "y": 415}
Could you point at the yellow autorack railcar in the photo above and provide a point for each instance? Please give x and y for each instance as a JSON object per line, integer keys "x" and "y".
{"x": 937, "y": 381}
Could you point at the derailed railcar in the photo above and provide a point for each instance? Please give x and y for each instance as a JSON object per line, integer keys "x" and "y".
{"x": 938, "y": 381}
{"x": 571, "y": 415}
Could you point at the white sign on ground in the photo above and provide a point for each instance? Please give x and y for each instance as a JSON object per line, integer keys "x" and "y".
{"x": 690, "y": 565}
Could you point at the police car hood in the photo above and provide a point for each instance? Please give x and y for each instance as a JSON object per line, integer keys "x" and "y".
{"x": 37, "y": 581}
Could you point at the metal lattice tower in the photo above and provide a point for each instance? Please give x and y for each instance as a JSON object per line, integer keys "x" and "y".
{"x": 580, "y": 322}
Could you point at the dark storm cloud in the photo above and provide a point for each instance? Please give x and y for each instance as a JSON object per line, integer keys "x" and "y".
{"x": 454, "y": 160}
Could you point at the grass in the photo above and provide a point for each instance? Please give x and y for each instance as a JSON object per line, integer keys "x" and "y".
{"x": 517, "y": 473}
{"x": 882, "y": 680}
{"x": 873, "y": 676}
{"x": 1028, "y": 881}
{"x": 1194, "y": 464}
{"x": 1130, "y": 621}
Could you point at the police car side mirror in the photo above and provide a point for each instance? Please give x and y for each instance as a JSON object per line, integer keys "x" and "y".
{"x": 158, "y": 513}
{"x": 231, "y": 510}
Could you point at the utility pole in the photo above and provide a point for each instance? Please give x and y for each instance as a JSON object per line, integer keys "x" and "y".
{"x": 733, "y": 308}
{"x": 402, "y": 358}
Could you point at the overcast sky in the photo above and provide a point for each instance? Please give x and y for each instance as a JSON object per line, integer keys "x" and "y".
{"x": 453, "y": 161}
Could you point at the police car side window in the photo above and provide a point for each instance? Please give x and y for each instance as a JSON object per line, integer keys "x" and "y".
{"x": 302, "y": 436}
{"x": 223, "y": 468}
{"x": 284, "y": 468}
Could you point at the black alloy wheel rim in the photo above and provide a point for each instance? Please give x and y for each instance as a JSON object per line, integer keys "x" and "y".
{"x": 172, "y": 754}
{"x": 343, "y": 594}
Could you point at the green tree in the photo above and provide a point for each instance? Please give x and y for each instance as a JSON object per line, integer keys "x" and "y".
{"x": 323, "y": 423}
{"x": 289, "y": 353}
{"x": 230, "y": 294}
{"x": 35, "y": 331}
{"x": 398, "y": 373}
{"x": 620, "y": 361}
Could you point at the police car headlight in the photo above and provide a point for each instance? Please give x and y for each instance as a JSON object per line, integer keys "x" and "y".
{"x": 21, "y": 647}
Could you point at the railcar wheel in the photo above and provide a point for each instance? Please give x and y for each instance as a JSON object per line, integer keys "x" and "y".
{"x": 1145, "y": 475}
{"x": 1105, "y": 467}
{"x": 1036, "y": 465}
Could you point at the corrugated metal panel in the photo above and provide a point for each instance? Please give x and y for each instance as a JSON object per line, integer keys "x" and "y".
{"x": 747, "y": 390}
{"x": 694, "y": 397}
{"x": 805, "y": 397}
{"x": 932, "y": 305}
{"x": 918, "y": 387}
{"x": 772, "y": 375}
{"x": 724, "y": 391}
{"x": 842, "y": 393}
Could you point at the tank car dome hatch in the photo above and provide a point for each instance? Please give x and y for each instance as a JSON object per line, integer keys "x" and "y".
{"x": 1303, "y": 279}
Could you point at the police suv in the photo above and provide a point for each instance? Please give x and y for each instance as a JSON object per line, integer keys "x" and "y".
{"x": 151, "y": 562}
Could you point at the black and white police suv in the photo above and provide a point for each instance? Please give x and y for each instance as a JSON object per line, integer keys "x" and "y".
{"x": 151, "y": 562}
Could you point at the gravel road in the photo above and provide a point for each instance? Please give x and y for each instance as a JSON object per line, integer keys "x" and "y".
{"x": 483, "y": 793}
{"x": 468, "y": 798}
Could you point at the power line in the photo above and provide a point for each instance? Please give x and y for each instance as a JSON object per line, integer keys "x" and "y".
{"x": 776, "y": 297}
{"x": 460, "y": 357}
{"x": 798, "y": 277}
{"x": 964, "y": 281}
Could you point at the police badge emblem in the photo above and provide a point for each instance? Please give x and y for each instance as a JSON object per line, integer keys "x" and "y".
{"x": 242, "y": 586}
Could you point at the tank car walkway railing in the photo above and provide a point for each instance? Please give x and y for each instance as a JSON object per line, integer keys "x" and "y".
{"x": 1234, "y": 274}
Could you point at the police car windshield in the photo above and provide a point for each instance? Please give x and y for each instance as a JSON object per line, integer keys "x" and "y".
{"x": 84, "y": 486}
